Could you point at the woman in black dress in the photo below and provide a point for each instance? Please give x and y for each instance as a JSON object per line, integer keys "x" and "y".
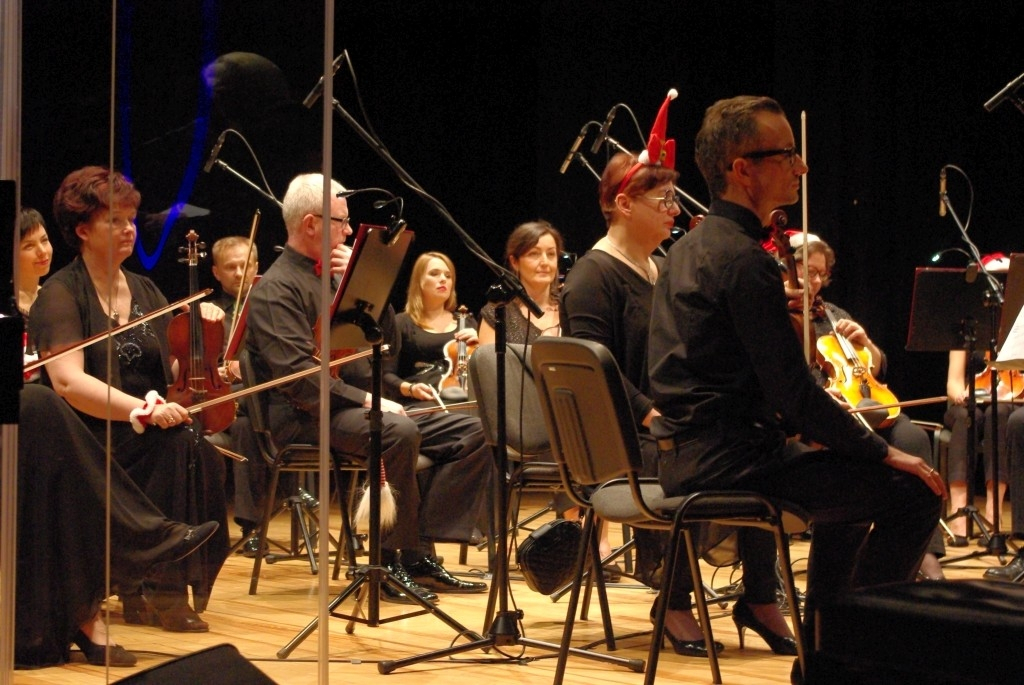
{"x": 153, "y": 440}
{"x": 62, "y": 550}
{"x": 463, "y": 464}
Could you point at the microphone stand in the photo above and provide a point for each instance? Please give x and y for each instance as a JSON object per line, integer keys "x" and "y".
{"x": 503, "y": 628}
{"x": 227, "y": 167}
{"x": 995, "y": 541}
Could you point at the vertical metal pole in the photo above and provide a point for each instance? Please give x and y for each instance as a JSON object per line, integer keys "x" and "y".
{"x": 10, "y": 168}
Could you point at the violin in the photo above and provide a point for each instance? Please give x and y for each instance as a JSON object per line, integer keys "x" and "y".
{"x": 1009, "y": 383}
{"x": 457, "y": 353}
{"x": 848, "y": 367}
{"x": 197, "y": 344}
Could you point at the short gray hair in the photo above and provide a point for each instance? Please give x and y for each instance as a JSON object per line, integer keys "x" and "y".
{"x": 305, "y": 195}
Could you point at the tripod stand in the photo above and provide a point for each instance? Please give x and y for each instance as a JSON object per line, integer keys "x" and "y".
{"x": 945, "y": 314}
{"x": 366, "y": 287}
{"x": 503, "y": 628}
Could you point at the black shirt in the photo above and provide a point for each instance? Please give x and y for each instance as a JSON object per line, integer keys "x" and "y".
{"x": 722, "y": 349}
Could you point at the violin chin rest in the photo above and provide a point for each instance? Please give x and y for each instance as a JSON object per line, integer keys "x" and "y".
{"x": 454, "y": 394}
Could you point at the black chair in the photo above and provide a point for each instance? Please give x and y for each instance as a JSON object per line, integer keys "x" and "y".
{"x": 526, "y": 438}
{"x": 596, "y": 445}
{"x": 296, "y": 458}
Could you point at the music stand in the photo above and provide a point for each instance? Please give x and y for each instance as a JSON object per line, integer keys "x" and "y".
{"x": 951, "y": 310}
{"x": 358, "y": 304}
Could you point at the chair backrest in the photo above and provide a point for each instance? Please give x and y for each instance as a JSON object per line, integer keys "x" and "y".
{"x": 525, "y": 431}
{"x": 256, "y": 408}
{"x": 586, "y": 410}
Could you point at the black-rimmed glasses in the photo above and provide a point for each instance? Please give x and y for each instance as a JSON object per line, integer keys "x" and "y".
{"x": 340, "y": 219}
{"x": 789, "y": 152}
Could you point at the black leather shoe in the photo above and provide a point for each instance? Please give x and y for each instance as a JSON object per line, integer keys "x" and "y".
{"x": 251, "y": 547}
{"x": 1011, "y": 572}
{"x": 392, "y": 594}
{"x": 432, "y": 575}
{"x": 697, "y": 648}
{"x": 743, "y": 616}
{"x": 99, "y": 655}
{"x": 190, "y": 538}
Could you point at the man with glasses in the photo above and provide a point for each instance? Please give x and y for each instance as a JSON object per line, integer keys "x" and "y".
{"x": 283, "y": 309}
{"x": 728, "y": 376}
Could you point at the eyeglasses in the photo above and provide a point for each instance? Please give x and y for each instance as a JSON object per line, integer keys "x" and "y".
{"x": 343, "y": 220}
{"x": 667, "y": 202}
{"x": 789, "y": 152}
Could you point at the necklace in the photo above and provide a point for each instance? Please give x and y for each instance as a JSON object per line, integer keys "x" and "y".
{"x": 642, "y": 269}
{"x": 113, "y": 313}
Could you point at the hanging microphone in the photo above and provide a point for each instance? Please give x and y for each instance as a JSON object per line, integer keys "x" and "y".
{"x": 215, "y": 151}
{"x": 942, "y": 191}
{"x": 575, "y": 146}
{"x": 1005, "y": 93}
{"x": 602, "y": 135}
{"x": 314, "y": 94}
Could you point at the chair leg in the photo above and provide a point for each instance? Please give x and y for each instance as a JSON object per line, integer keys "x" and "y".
{"x": 574, "y": 598}
{"x": 792, "y": 595}
{"x": 268, "y": 514}
{"x": 702, "y": 605}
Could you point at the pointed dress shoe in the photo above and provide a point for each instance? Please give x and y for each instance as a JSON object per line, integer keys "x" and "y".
{"x": 433, "y": 576}
{"x": 697, "y": 648}
{"x": 97, "y": 655}
{"x": 1011, "y": 572}
{"x": 190, "y": 538}
{"x": 391, "y": 594}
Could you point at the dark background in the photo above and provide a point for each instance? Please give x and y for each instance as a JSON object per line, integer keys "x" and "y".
{"x": 480, "y": 101}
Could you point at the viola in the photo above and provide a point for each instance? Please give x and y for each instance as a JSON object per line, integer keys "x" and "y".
{"x": 848, "y": 367}
{"x": 196, "y": 344}
{"x": 457, "y": 353}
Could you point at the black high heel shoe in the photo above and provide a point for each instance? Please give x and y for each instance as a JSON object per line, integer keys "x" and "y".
{"x": 696, "y": 648}
{"x": 743, "y": 616}
{"x": 97, "y": 654}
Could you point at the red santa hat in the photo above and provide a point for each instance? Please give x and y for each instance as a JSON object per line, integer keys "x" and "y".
{"x": 661, "y": 151}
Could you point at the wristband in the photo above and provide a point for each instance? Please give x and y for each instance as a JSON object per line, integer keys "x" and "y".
{"x": 139, "y": 417}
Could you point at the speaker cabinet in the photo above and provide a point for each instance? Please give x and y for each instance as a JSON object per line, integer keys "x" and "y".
{"x": 221, "y": 664}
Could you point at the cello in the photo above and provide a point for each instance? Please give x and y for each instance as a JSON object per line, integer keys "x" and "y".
{"x": 197, "y": 344}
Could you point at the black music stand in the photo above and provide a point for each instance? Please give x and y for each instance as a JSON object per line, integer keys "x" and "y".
{"x": 358, "y": 304}
{"x": 951, "y": 310}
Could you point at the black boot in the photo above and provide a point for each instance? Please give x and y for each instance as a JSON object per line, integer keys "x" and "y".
{"x": 1012, "y": 572}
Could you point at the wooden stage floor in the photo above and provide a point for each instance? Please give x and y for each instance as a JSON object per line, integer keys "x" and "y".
{"x": 262, "y": 624}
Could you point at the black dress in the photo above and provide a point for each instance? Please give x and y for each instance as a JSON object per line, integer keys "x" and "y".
{"x": 463, "y": 464}
{"x": 177, "y": 469}
{"x": 62, "y": 495}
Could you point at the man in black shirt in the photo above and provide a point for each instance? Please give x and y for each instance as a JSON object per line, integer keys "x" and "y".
{"x": 726, "y": 370}
{"x": 283, "y": 309}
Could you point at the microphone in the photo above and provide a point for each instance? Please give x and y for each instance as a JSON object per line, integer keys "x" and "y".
{"x": 1005, "y": 93}
{"x": 942, "y": 191}
{"x": 602, "y": 135}
{"x": 575, "y": 147}
{"x": 314, "y": 94}
{"x": 215, "y": 151}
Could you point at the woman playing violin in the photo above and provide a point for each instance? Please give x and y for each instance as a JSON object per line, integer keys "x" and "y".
{"x": 151, "y": 439}
{"x": 454, "y": 442}
{"x": 815, "y": 262}
{"x": 962, "y": 465}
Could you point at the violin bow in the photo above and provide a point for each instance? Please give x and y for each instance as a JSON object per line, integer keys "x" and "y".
{"x": 274, "y": 382}
{"x": 114, "y": 331}
{"x": 248, "y": 259}
{"x": 805, "y": 217}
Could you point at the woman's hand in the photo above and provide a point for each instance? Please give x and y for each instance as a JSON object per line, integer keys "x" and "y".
{"x": 421, "y": 391}
{"x": 468, "y": 336}
{"x": 169, "y": 415}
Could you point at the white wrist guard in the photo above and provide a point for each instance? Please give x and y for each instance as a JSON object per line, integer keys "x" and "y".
{"x": 139, "y": 416}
